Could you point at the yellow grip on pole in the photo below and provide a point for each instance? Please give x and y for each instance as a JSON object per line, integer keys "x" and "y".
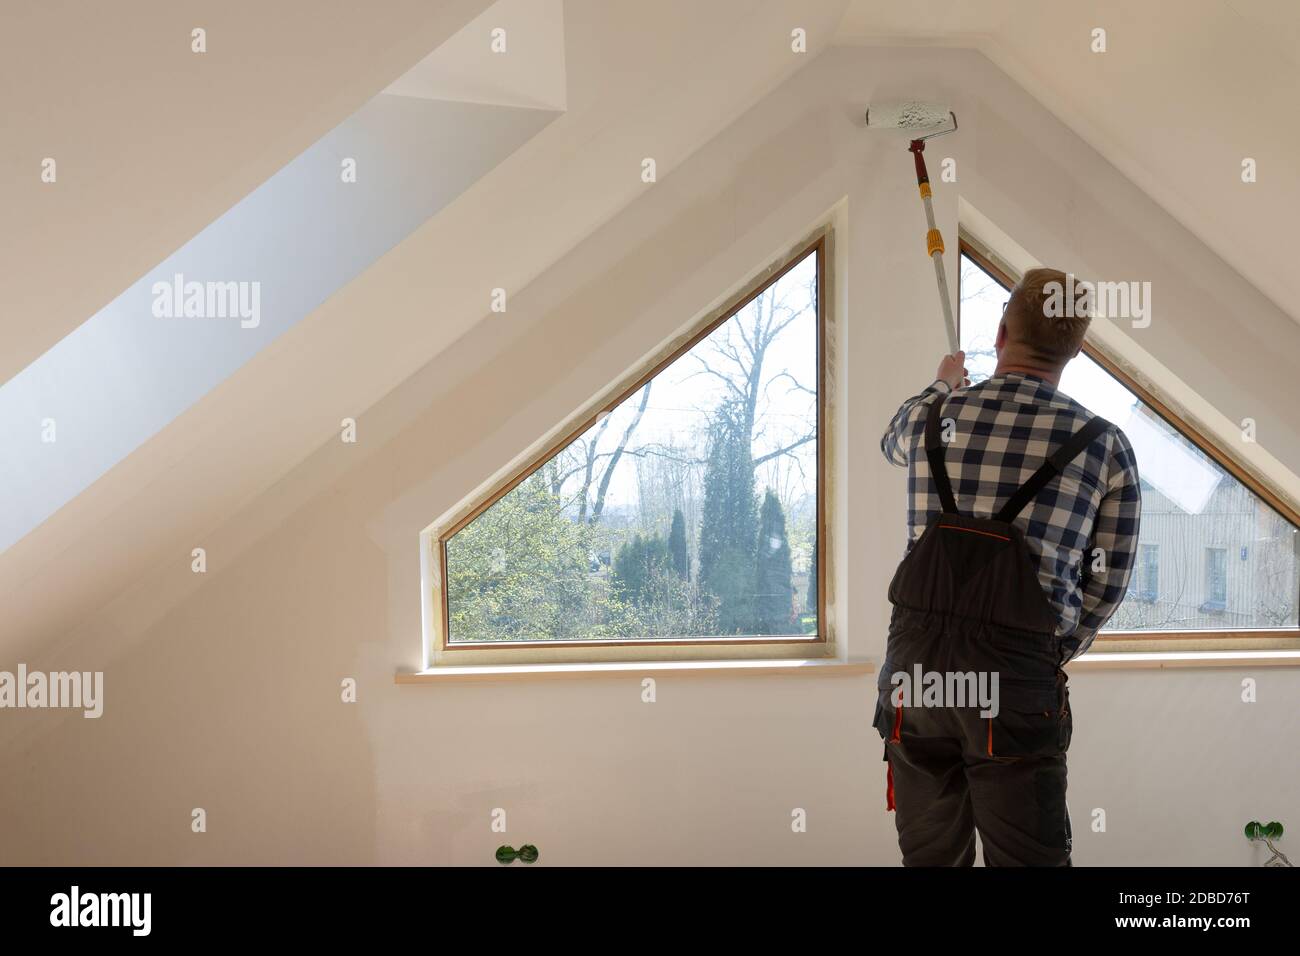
{"x": 925, "y": 190}
{"x": 933, "y": 242}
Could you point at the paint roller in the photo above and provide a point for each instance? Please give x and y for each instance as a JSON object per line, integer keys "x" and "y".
{"x": 923, "y": 121}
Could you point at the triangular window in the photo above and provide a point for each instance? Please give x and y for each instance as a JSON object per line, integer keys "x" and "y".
{"x": 688, "y": 510}
{"x": 1213, "y": 554}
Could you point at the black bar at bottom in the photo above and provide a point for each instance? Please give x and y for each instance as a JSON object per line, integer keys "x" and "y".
{"x": 521, "y": 905}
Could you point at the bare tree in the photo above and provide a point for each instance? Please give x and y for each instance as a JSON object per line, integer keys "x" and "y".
{"x": 736, "y": 355}
{"x": 598, "y": 506}
{"x": 583, "y": 457}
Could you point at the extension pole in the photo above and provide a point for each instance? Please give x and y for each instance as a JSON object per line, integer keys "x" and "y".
{"x": 934, "y": 242}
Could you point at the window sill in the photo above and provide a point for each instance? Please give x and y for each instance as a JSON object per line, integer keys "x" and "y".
{"x": 1092, "y": 661}
{"x": 740, "y": 668}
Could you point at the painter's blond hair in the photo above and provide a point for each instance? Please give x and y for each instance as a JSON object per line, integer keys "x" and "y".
{"x": 1037, "y": 322}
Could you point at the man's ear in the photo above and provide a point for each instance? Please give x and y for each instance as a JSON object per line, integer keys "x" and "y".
{"x": 1000, "y": 340}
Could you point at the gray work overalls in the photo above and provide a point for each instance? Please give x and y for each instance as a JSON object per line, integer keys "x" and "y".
{"x": 967, "y": 600}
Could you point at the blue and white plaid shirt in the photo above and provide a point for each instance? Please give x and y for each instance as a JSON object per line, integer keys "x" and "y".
{"x": 1082, "y": 527}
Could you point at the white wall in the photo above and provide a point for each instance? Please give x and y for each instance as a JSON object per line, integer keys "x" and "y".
{"x": 223, "y": 690}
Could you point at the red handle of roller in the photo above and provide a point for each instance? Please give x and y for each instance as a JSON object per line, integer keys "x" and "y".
{"x": 917, "y": 149}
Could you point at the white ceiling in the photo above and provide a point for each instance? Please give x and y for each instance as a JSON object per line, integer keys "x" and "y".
{"x": 1186, "y": 90}
{"x": 125, "y": 373}
{"x": 527, "y": 69}
{"x": 152, "y": 141}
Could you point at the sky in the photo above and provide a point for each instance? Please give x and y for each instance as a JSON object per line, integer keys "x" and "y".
{"x": 681, "y": 396}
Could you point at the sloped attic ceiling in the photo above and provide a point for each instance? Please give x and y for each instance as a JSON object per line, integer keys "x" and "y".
{"x": 152, "y": 141}
{"x": 1184, "y": 92}
{"x": 286, "y": 247}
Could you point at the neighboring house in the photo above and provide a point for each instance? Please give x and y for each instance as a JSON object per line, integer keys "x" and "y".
{"x": 1234, "y": 565}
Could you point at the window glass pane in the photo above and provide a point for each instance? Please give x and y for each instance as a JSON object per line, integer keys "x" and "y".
{"x": 690, "y": 511}
{"x": 1220, "y": 556}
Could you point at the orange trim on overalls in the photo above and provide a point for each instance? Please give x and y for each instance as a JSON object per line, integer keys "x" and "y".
{"x": 889, "y": 773}
{"x": 987, "y": 534}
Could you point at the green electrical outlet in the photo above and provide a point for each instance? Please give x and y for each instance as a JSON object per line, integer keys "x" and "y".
{"x": 1267, "y": 833}
{"x": 1263, "y": 831}
{"x": 507, "y": 854}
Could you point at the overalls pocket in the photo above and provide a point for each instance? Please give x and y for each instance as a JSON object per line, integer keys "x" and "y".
{"x": 889, "y": 719}
{"x": 1067, "y": 717}
{"x": 1033, "y": 719}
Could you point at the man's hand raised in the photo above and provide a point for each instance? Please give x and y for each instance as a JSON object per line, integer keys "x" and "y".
{"x": 952, "y": 369}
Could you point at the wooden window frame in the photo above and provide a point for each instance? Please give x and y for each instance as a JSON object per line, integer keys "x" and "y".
{"x": 1146, "y": 641}
{"x": 441, "y": 652}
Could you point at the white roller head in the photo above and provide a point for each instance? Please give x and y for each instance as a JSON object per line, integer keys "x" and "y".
{"x": 918, "y": 119}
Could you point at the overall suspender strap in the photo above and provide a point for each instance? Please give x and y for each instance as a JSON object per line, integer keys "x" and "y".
{"x": 1051, "y": 468}
{"x": 934, "y": 453}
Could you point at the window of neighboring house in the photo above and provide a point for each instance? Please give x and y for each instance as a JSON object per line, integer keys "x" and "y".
{"x": 1144, "y": 584}
{"x": 1216, "y": 579}
{"x": 1190, "y": 497}
{"x": 686, "y": 512}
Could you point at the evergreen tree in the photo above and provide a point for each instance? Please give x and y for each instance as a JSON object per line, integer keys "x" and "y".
{"x": 635, "y": 566}
{"x": 729, "y": 523}
{"x": 677, "y": 546}
{"x": 773, "y": 581}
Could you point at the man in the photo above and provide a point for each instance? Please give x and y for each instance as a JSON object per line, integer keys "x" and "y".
{"x": 1023, "y": 524}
